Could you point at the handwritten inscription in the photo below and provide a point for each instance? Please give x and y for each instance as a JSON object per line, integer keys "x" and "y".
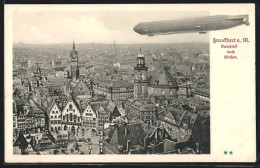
{"x": 230, "y": 44}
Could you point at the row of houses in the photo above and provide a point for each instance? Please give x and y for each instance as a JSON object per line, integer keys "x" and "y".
{"x": 28, "y": 118}
{"x": 73, "y": 116}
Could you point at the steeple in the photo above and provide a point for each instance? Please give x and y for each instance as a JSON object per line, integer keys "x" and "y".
{"x": 140, "y": 53}
{"x": 74, "y": 63}
{"x": 73, "y": 46}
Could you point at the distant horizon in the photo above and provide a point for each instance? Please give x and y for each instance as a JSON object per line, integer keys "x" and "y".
{"x": 107, "y": 43}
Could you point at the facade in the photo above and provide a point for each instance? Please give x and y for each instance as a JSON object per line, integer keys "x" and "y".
{"x": 116, "y": 91}
{"x": 21, "y": 121}
{"x": 62, "y": 138}
{"x": 29, "y": 120}
{"x": 15, "y": 126}
{"x": 55, "y": 118}
{"x": 119, "y": 92}
{"x": 103, "y": 116}
{"x": 89, "y": 117}
{"x": 201, "y": 95}
{"x": 39, "y": 118}
{"x": 71, "y": 115}
{"x": 183, "y": 91}
{"x": 143, "y": 111}
{"x": 14, "y": 116}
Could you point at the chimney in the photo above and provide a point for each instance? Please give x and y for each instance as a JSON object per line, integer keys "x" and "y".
{"x": 33, "y": 140}
{"x": 197, "y": 149}
{"x": 145, "y": 144}
{"x": 125, "y": 129}
{"x": 156, "y": 134}
{"x": 163, "y": 132}
{"x": 127, "y": 145}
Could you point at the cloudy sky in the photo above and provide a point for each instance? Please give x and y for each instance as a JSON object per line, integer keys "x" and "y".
{"x": 98, "y": 26}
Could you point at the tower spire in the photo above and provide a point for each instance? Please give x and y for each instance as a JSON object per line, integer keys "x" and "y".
{"x": 73, "y": 45}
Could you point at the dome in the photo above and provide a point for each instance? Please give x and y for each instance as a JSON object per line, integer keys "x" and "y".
{"x": 162, "y": 77}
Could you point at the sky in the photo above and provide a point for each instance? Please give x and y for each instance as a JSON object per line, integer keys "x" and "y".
{"x": 98, "y": 26}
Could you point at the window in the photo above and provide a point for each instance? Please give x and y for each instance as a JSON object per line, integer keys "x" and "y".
{"x": 163, "y": 92}
{"x": 143, "y": 89}
{"x": 70, "y": 107}
{"x": 157, "y": 82}
{"x": 170, "y": 92}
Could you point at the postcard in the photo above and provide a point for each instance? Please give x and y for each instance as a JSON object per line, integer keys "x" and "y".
{"x": 117, "y": 83}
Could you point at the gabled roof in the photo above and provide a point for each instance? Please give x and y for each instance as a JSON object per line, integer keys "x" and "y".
{"x": 75, "y": 103}
{"x": 21, "y": 141}
{"x": 93, "y": 107}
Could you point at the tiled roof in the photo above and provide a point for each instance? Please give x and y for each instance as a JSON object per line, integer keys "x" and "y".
{"x": 122, "y": 133}
{"x": 111, "y": 106}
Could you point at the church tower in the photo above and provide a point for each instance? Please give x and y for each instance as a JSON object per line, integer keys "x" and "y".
{"x": 140, "y": 78}
{"x": 74, "y": 63}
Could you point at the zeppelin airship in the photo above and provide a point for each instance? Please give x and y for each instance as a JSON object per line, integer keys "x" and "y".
{"x": 191, "y": 25}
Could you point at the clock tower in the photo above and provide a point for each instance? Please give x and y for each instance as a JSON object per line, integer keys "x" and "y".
{"x": 140, "y": 78}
